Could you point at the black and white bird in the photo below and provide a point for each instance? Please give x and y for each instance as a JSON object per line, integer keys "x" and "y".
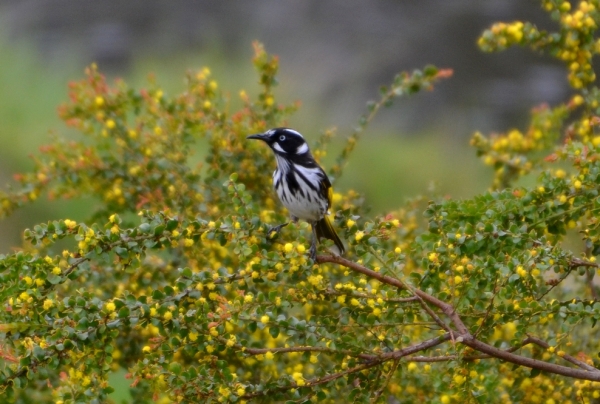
{"x": 301, "y": 184}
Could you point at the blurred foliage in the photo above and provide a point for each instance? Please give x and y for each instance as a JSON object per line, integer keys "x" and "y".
{"x": 443, "y": 300}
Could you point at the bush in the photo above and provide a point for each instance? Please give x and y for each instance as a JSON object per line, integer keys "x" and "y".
{"x": 440, "y": 301}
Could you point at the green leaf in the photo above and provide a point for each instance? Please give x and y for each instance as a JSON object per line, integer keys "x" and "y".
{"x": 274, "y": 331}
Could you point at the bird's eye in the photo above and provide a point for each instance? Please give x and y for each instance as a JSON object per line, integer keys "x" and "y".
{"x": 282, "y": 138}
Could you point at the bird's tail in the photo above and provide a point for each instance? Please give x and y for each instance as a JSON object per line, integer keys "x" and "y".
{"x": 324, "y": 229}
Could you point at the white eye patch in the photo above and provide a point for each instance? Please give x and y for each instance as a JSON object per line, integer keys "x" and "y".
{"x": 294, "y": 132}
{"x": 278, "y": 148}
{"x": 302, "y": 149}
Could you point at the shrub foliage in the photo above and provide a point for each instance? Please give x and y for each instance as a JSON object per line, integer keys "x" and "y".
{"x": 176, "y": 278}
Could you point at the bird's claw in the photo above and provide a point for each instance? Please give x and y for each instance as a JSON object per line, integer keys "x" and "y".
{"x": 273, "y": 231}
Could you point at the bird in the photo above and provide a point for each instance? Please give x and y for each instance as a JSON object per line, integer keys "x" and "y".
{"x": 301, "y": 185}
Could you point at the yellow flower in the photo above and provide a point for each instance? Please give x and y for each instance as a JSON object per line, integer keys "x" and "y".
{"x": 459, "y": 379}
{"x": 56, "y": 271}
{"x": 298, "y": 378}
{"x": 193, "y": 336}
{"x": 28, "y": 280}
{"x": 110, "y": 307}
{"x": 350, "y": 223}
{"x": 70, "y": 223}
{"x": 146, "y": 349}
{"x": 264, "y": 319}
{"x": 248, "y": 298}
{"x": 359, "y": 235}
{"x": 269, "y": 355}
{"x": 288, "y": 247}
{"x": 48, "y": 303}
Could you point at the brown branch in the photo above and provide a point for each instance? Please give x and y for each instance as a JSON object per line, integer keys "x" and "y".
{"x": 446, "y": 358}
{"x": 577, "y": 262}
{"x": 260, "y": 351}
{"x": 446, "y": 308}
{"x": 529, "y": 362}
{"x": 435, "y": 317}
{"x": 464, "y": 336}
{"x": 566, "y": 357}
{"x": 376, "y": 361}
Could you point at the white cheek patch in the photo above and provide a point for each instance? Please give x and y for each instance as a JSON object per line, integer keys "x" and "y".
{"x": 278, "y": 148}
{"x": 302, "y": 149}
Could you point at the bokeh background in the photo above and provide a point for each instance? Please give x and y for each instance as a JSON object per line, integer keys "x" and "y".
{"x": 334, "y": 55}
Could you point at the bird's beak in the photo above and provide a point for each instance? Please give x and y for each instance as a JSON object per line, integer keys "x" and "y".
{"x": 259, "y": 136}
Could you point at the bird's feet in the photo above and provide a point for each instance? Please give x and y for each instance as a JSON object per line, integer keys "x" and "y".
{"x": 273, "y": 231}
{"x": 312, "y": 251}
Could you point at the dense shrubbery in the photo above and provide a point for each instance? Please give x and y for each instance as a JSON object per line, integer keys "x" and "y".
{"x": 439, "y": 301}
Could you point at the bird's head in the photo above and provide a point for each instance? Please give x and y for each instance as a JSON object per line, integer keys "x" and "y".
{"x": 283, "y": 141}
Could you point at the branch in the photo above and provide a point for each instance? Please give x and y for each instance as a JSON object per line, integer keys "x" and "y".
{"x": 464, "y": 336}
{"x": 375, "y": 361}
{"x": 446, "y": 358}
{"x": 446, "y": 308}
{"x": 529, "y": 362}
{"x": 260, "y": 351}
{"x": 568, "y": 358}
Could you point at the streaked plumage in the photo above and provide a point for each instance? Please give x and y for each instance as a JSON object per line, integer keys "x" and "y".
{"x": 300, "y": 183}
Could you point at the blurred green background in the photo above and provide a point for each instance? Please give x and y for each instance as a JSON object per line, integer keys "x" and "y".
{"x": 334, "y": 56}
